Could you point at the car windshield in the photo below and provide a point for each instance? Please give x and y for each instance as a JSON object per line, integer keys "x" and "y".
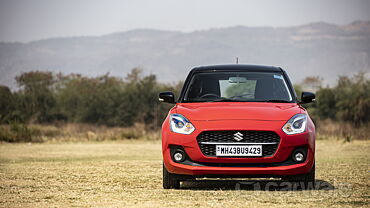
{"x": 238, "y": 87}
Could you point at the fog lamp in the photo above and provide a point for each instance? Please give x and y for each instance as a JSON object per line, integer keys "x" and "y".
{"x": 179, "y": 156}
{"x": 298, "y": 157}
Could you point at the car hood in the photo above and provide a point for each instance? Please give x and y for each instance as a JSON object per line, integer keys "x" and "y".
{"x": 237, "y": 111}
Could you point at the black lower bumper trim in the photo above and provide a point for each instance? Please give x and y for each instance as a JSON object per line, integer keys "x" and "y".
{"x": 189, "y": 161}
{"x": 277, "y": 164}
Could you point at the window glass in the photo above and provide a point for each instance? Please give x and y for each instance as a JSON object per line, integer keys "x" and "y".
{"x": 238, "y": 87}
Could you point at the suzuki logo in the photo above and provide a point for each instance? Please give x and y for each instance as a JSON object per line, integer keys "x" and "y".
{"x": 238, "y": 136}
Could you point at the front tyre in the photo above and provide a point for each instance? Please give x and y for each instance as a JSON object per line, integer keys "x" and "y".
{"x": 309, "y": 179}
{"x": 306, "y": 181}
{"x": 169, "y": 180}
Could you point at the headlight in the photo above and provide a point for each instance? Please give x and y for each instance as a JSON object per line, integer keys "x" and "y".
{"x": 297, "y": 124}
{"x": 179, "y": 124}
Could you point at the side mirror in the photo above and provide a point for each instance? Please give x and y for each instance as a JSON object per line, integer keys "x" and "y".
{"x": 307, "y": 97}
{"x": 167, "y": 97}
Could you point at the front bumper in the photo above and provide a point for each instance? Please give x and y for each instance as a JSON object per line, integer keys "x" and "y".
{"x": 276, "y": 165}
{"x": 237, "y": 170}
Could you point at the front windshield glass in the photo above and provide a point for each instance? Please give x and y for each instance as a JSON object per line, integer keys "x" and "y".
{"x": 238, "y": 87}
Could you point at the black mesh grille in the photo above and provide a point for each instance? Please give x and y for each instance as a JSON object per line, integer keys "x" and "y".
{"x": 248, "y": 137}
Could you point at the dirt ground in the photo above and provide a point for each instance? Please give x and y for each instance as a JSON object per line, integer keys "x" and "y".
{"x": 129, "y": 174}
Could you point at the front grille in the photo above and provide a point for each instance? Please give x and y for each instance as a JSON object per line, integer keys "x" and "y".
{"x": 261, "y": 137}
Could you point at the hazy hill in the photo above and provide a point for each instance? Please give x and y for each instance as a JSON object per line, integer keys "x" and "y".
{"x": 314, "y": 49}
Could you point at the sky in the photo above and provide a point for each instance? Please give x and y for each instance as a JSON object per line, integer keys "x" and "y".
{"x": 27, "y": 20}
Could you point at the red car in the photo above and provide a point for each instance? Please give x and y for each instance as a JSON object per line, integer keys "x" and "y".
{"x": 237, "y": 121}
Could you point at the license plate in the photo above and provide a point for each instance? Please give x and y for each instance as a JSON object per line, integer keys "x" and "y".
{"x": 238, "y": 150}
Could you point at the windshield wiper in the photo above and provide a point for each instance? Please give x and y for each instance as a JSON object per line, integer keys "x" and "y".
{"x": 237, "y": 100}
{"x": 224, "y": 100}
{"x": 275, "y": 101}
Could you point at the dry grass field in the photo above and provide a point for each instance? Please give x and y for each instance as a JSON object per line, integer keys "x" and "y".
{"x": 128, "y": 174}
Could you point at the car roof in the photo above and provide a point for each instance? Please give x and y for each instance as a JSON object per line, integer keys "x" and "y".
{"x": 237, "y": 67}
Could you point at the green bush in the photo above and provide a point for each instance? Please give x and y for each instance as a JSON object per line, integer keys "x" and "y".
{"x": 347, "y": 101}
{"x": 17, "y": 132}
{"x": 130, "y": 134}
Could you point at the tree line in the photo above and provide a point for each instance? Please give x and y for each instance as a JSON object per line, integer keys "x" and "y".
{"x": 347, "y": 101}
{"x": 44, "y": 97}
